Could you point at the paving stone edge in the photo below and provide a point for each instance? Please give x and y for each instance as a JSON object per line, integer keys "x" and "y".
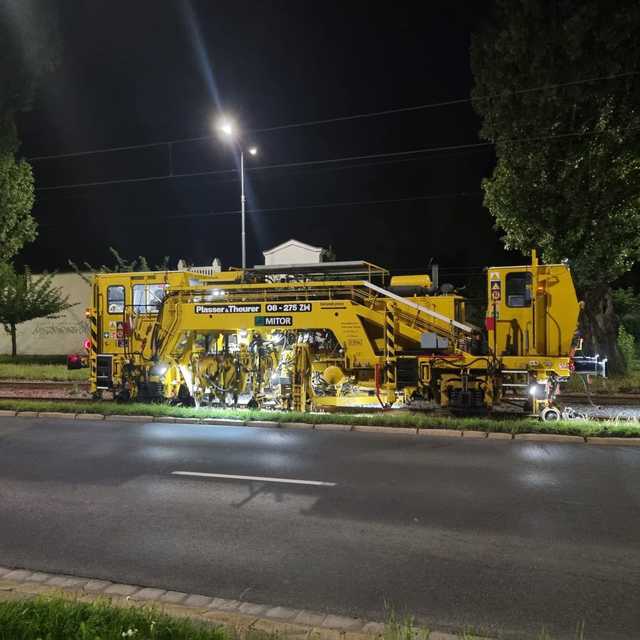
{"x": 231, "y": 422}
{"x": 18, "y": 583}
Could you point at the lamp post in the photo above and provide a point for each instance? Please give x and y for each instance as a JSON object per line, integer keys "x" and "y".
{"x": 229, "y": 131}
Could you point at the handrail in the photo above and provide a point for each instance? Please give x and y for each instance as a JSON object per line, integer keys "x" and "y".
{"x": 360, "y": 292}
{"x": 434, "y": 314}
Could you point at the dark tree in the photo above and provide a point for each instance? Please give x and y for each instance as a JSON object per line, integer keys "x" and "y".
{"x": 567, "y": 179}
{"x": 29, "y": 48}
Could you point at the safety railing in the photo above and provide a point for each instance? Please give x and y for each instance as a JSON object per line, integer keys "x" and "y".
{"x": 413, "y": 318}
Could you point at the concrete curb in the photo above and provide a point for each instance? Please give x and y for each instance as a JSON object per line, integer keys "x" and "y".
{"x": 234, "y": 614}
{"x": 626, "y": 442}
{"x": 548, "y": 437}
{"x": 551, "y": 438}
{"x": 447, "y": 433}
{"x": 500, "y": 435}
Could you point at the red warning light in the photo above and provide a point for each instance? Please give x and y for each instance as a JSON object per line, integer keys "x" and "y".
{"x": 87, "y": 344}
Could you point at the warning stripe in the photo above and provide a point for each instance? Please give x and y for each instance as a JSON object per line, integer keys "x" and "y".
{"x": 390, "y": 345}
{"x": 93, "y": 327}
{"x": 94, "y": 333}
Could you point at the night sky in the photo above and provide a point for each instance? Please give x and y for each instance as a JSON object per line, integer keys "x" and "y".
{"x": 148, "y": 71}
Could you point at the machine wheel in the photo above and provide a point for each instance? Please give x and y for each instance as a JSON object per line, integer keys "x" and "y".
{"x": 550, "y": 414}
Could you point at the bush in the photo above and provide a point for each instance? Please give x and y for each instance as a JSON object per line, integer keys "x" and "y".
{"x": 627, "y": 346}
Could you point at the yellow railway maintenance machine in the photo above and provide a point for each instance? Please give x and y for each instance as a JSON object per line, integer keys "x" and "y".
{"x": 334, "y": 335}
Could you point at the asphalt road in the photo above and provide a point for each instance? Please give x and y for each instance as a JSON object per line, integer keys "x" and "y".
{"x": 493, "y": 535}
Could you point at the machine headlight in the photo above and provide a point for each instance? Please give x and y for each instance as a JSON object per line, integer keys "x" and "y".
{"x": 159, "y": 369}
{"x": 537, "y": 390}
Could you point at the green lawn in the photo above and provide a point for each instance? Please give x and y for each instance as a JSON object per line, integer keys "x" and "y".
{"x": 31, "y": 359}
{"x": 416, "y": 420}
{"x": 61, "y": 619}
{"x": 58, "y": 619}
{"x": 33, "y": 371}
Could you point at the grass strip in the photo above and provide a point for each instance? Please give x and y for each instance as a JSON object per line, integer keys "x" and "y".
{"x": 33, "y": 359}
{"x": 41, "y": 372}
{"x": 56, "y": 618}
{"x": 611, "y": 428}
{"x": 59, "y": 619}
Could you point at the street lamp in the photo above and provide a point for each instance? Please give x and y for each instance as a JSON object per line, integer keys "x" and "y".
{"x": 229, "y": 131}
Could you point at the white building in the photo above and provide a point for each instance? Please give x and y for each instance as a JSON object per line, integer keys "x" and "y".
{"x": 292, "y": 252}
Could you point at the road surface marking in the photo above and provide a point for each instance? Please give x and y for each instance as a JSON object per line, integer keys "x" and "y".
{"x": 316, "y": 483}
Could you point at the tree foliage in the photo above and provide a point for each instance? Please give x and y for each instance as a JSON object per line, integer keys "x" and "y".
{"x": 626, "y": 303}
{"x": 24, "y": 297}
{"x": 30, "y": 47}
{"x": 567, "y": 178}
{"x": 120, "y": 265}
{"x": 17, "y": 226}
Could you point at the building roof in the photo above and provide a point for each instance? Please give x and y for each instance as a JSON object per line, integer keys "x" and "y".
{"x": 291, "y": 242}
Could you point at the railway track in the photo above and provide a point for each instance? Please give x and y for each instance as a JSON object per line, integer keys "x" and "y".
{"x": 47, "y": 398}
{"x": 44, "y": 390}
{"x": 44, "y": 384}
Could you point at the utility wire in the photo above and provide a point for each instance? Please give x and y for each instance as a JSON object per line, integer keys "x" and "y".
{"x": 134, "y": 180}
{"x": 359, "y": 165}
{"x": 358, "y": 116}
{"x": 325, "y": 205}
{"x": 306, "y": 163}
{"x": 445, "y": 103}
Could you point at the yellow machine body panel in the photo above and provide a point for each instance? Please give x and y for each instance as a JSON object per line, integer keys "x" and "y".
{"x": 532, "y": 315}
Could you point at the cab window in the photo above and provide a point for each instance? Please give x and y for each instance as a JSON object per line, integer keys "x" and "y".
{"x": 518, "y": 287}
{"x": 115, "y": 299}
{"x": 147, "y": 298}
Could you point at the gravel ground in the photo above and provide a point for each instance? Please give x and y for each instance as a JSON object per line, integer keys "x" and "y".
{"x": 44, "y": 390}
{"x": 612, "y": 411}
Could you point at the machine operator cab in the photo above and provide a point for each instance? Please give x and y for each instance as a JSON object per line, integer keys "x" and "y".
{"x": 532, "y": 310}
{"x": 531, "y": 321}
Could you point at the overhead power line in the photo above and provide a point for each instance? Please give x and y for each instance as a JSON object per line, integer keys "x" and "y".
{"x": 307, "y": 163}
{"x": 357, "y": 116}
{"x": 445, "y": 103}
{"x": 323, "y": 205}
{"x": 284, "y": 165}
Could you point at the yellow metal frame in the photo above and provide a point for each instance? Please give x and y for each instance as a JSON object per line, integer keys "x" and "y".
{"x": 374, "y": 332}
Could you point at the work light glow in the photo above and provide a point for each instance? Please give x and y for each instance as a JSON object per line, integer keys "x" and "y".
{"x": 159, "y": 369}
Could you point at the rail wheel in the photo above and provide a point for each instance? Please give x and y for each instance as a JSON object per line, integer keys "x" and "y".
{"x": 550, "y": 414}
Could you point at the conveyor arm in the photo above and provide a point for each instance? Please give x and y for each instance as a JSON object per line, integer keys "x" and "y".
{"x": 434, "y": 314}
